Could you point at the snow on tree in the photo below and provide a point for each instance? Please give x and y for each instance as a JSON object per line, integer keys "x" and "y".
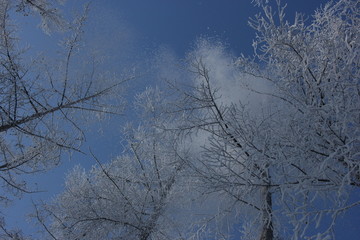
{"x": 287, "y": 149}
{"x": 276, "y": 136}
{"x": 41, "y": 104}
{"x": 132, "y": 196}
{"x": 51, "y": 18}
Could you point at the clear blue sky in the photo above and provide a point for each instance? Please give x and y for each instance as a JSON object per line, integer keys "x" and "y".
{"x": 127, "y": 31}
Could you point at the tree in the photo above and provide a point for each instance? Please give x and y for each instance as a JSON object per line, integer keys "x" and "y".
{"x": 128, "y": 198}
{"x": 277, "y": 136}
{"x": 293, "y": 157}
{"x": 51, "y": 18}
{"x": 41, "y": 105}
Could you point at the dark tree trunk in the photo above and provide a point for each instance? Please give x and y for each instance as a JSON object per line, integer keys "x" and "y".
{"x": 267, "y": 232}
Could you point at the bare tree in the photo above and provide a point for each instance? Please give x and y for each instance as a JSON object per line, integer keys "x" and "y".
{"x": 41, "y": 105}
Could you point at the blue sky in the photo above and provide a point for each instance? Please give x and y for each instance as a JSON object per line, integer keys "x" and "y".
{"x": 129, "y": 34}
{"x": 177, "y": 24}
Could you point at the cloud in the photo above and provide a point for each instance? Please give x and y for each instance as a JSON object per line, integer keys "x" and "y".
{"x": 233, "y": 86}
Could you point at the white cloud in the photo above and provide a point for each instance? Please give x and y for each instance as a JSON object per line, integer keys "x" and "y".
{"x": 233, "y": 86}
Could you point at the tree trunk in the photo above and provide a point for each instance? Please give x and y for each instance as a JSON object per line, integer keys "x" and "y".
{"x": 267, "y": 232}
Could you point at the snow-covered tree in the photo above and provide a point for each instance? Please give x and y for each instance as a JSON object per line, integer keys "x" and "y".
{"x": 133, "y": 196}
{"x": 282, "y": 129}
{"x": 42, "y": 103}
{"x": 272, "y": 143}
{"x": 48, "y": 10}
